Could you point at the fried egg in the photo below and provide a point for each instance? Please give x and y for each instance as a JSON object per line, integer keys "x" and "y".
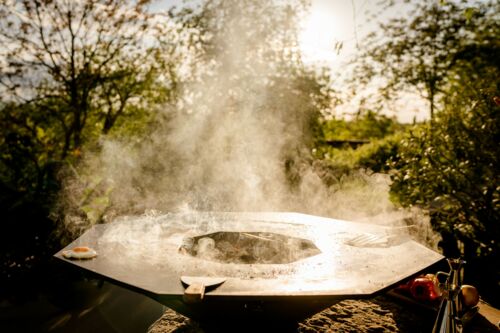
{"x": 80, "y": 252}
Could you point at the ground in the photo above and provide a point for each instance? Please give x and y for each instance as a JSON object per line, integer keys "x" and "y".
{"x": 380, "y": 314}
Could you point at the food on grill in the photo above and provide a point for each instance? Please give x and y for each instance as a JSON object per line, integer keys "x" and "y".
{"x": 80, "y": 252}
{"x": 248, "y": 247}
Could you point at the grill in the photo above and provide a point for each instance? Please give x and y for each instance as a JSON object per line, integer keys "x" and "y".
{"x": 270, "y": 265}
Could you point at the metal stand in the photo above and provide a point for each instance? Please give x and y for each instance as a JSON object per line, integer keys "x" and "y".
{"x": 448, "y": 319}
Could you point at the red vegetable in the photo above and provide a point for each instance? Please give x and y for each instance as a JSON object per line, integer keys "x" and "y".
{"x": 424, "y": 289}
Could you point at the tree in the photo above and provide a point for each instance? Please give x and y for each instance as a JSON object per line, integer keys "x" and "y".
{"x": 418, "y": 53}
{"x": 452, "y": 171}
{"x": 449, "y": 51}
{"x": 451, "y": 168}
{"x": 69, "y": 71}
{"x": 83, "y": 64}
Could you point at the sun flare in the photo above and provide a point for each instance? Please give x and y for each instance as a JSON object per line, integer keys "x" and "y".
{"x": 320, "y": 31}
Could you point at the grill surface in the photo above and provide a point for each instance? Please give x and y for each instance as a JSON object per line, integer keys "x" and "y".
{"x": 351, "y": 260}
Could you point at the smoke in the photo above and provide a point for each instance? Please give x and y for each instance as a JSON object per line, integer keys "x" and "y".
{"x": 238, "y": 139}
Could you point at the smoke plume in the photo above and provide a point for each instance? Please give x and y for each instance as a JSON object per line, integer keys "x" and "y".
{"x": 238, "y": 139}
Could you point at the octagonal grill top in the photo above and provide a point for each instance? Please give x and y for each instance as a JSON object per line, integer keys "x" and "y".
{"x": 355, "y": 258}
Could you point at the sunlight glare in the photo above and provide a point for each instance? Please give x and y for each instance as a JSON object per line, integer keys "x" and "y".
{"x": 320, "y": 30}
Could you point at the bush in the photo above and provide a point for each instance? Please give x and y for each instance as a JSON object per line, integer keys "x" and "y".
{"x": 373, "y": 155}
{"x": 377, "y": 154}
{"x": 366, "y": 124}
{"x": 450, "y": 167}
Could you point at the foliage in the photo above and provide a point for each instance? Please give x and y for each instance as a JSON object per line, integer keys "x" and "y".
{"x": 26, "y": 152}
{"x": 450, "y": 166}
{"x": 374, "y": 155}
{"x": 366, "y": 125}
{"x": 418, "y": 53}
{"x": 381, "y": 133}
{"x": 377, "y": 154}
{"x": 69, "y": 71}
{"x": 452, "y": 170}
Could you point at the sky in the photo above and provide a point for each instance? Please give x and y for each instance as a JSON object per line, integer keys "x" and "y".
{"x": 341, "y": 21}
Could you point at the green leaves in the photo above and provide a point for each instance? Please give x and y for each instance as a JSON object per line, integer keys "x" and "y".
{"x": 95, "y": 209}
{"x": 469, "y": 13}
{"x": 449, "y": 51}
{"x": 419, "y": 52}
{"x": 75, "y": 71}
{"x": 83, "y": 63}
{"x": 453, "y": 172}
{"x": 383, "y": 135}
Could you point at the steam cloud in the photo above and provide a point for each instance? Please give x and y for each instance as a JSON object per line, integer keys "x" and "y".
{"x": 229, "y": 145}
